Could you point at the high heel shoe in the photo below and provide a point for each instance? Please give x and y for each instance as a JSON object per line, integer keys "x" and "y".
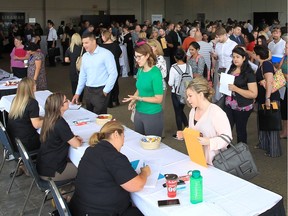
{"x": 24, "y": 170}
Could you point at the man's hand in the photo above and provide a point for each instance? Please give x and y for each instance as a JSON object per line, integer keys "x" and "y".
{"x": 75, "y": 99}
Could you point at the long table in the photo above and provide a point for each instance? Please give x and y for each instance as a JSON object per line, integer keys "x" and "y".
{"x": 224, "y": 194}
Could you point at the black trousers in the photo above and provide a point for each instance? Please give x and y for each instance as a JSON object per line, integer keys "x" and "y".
{"x": 96, "y": 101}
{"x": 180, "y": 116}
{"x": 19, "y": 72}
{"x": 51, "y": 58}
{"x": 240, "y": 119}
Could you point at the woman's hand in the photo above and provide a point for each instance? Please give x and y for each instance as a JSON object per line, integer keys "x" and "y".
{"x": 180, "y": 135}
{"x": 232, "y": 87}
{"x": 146, "y": 170}
{"x": 79, "y": 138}
{"x": 204, "y": 140}
{"x": 267, "y": 103}
{"x": 130, "y": 98}
{"x": 131, "y": 105}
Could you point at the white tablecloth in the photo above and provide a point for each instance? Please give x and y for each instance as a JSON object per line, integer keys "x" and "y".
{"x": 224, "y": 194}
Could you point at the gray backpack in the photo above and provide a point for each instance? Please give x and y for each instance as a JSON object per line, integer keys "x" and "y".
{"x": 186, "y": 78}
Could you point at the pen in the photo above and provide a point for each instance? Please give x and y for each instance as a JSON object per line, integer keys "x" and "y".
{"x": 144, "y": 164}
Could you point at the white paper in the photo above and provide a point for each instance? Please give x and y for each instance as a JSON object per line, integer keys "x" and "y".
{"x": 226, "y": 79}
{"x": 155, "y": 166}
{"x": 74, "y": 106}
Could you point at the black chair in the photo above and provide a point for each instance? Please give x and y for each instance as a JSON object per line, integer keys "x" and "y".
{"x": 61, "y": 204}
{"x": 42, "y": 185}
{"x": 9, "y": 149}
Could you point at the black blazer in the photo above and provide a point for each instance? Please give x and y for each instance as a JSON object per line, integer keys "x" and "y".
{"x": 232, "y": 37}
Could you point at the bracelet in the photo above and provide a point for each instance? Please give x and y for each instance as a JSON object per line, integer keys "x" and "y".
{"x": 140, "y": 99}
{"x": 267, "y": 98}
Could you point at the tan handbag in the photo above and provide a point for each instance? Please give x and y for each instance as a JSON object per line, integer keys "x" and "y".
{"x": 79, "y": 60}
{"x": 278, "y": 80}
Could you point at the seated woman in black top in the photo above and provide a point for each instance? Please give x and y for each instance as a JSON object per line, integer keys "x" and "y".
{"x": 239, "y": 105}
{"x": 23, "y": 118}
{"x": 105, "y": 176}
{"x": 56, "y": 138}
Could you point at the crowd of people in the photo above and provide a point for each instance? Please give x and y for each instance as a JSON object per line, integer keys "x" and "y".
{"x": 159, "y": 55}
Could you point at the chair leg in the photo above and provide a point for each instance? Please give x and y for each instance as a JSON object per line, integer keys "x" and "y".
{"x": 43, "y": 201}
{"x": 5, "y": 152}
{"x": 28, "y": 195}
{"x": 13, "y": 178}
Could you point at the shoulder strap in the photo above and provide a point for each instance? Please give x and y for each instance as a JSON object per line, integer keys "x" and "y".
{"x": 81, "y": 51}
{"x": 226, "y": 138}
{"x": 178, "y": 69}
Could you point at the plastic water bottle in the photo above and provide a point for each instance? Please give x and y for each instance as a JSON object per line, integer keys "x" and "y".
{"x": 196, "y": 187}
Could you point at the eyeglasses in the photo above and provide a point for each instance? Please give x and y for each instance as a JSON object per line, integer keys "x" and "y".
{"x": 138, "y": 57}
{"x": 66, "y": 101}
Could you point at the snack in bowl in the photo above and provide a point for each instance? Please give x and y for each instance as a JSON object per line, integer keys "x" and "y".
{"x": 11, "y": 83}
{"x": 103, "y": 118}
{"x": 150, "y": 142}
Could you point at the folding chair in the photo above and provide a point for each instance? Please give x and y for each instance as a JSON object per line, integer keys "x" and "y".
{"x": 42, "y": 185}
{"x": 8, "y": 148}
{"x": 61, "y": 204}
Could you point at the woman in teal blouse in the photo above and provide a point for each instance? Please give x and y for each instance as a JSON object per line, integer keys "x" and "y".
{"x": 148, "y": 118}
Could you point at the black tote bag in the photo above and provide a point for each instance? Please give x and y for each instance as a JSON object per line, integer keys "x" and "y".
{"x": 269, "y": 119}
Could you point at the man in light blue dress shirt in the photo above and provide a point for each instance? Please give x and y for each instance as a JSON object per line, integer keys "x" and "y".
{"x": 98, "y": 74}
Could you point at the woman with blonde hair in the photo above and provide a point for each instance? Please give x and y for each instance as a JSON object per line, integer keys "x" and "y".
{"x": 72, "y": 53}
{"x": 115, "y": 49}
{"x": 207, "y": 118}
{"x": 56, "y": 137}
{"x": 23, "y": 118}
{"x": 104, "y": 170}
{"x": 147, "y": 100}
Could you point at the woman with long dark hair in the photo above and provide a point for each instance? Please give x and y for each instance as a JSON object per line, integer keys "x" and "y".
{"x": 239, "y": 105}
{"x": 56, "y": 137}
{"x": 268, "y": 140}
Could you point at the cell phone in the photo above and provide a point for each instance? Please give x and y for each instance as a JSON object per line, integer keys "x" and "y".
{"x": 162, "y": 203}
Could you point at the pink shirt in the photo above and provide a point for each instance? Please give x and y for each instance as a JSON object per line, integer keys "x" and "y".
{"x": 211, "y": 124}
{"x": 16, "y": 63}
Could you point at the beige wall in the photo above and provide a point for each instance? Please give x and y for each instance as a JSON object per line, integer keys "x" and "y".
{"x": 173, "y": 10}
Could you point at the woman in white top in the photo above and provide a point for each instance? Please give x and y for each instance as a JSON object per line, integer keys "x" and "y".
{"x": 207, "y": 118}
{"x": 174, "y": 81}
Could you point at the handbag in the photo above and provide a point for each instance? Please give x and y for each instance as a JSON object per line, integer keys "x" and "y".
{"x": 269, "y": 119}
{"x": 54, "y": 51}
{"x": 79, "y": 60}
{"x": 236, "y": 160}
{"x": 278, "y": 82}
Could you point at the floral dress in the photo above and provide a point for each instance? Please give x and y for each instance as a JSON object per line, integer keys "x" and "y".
{"x": 41, "y": 80}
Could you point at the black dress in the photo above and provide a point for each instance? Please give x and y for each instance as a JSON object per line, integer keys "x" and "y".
{"x": 23, "y": 129}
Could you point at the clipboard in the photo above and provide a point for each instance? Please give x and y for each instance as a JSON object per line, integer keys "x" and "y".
{"x": 194, "y": 147}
